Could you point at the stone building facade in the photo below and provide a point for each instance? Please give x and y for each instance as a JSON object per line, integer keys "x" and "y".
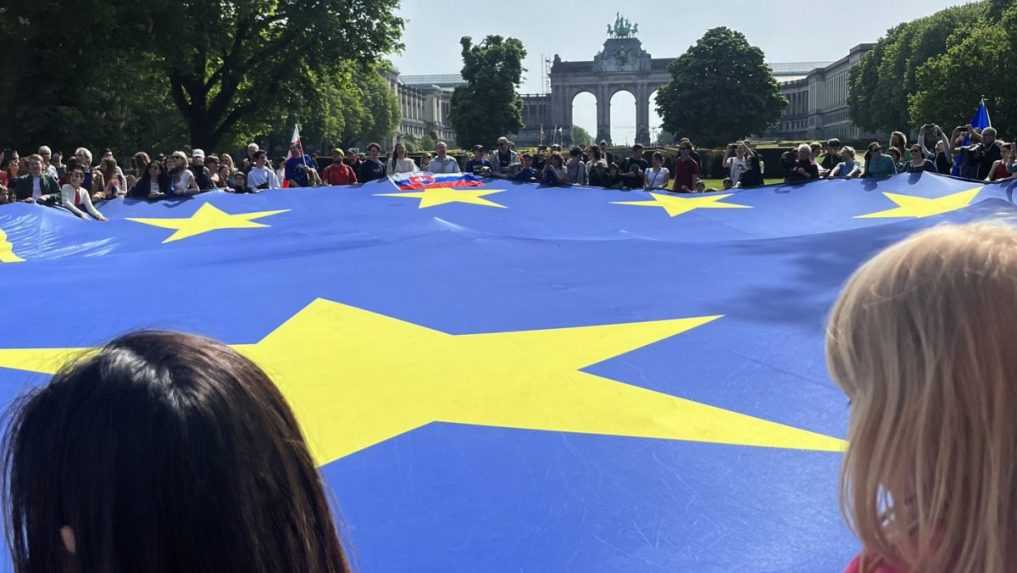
{"x": 424, "y": 104}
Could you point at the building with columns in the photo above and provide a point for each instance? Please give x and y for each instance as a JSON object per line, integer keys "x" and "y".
{"x": 818, "y": 102}
{"x": 424, "y": 104}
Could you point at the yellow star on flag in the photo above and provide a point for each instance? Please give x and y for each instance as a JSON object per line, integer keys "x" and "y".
{"x": 680, "y": 205}
{"x": 7, "y": 254}
{"x": 435, "y": 196}
{"x": 356, "y": 378}
{"x": 206, "y": 219}
{"x": 909, "y": 206}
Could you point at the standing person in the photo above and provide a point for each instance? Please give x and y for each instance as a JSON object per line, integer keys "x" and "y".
{"x": 920, "y": 342}
{"x": 248, "y": 160}
{"x": 505, "y": 160}
{"x": 878, "y": 165}
{"x": 74, "y": 197}
{"x": 804, "y": 168}
{"x": 399, "y": 162}
{"x": 371, "y": 168}
{"x": 199, "y": 171}
{"x": 831, "y": 156}
{"x": 153, "y": 184}
{"x": 338, "y": 173}
{"x": 940, "y": 154}
{"x": 986, "y": 154}
{"x": 657, "y": 176}
{"x": 847, "y": 167}
{"x": 1000, "y": 168}
{"x": 38, "y": 186}
{"x": 554, "y": 171}
{"x": 686, "y": 169}
{"x": 443, "y": 162}
{"x": 47, "y": 164}
{"x": 299, "y": 167}
{"x": 597, "y": 167}
{"x": 633, "y": 167}
{"x": 176, "y": 454}
{"x": 919, "y": 163}
{"x": 84, "y": 157}
{"x": 575, "y": 168}
{"x": 58, "y": 164}
{"x": 261, "y": 175}
{"x": 526, "y": 173}
{"x": 212, "y": 167}
{"x": 479, "y": 165}
{"x": 115, "y": 184}
{"x": 899, "y": 141}
{"x": 181, "y": 178}
{"x": 735, "y": 162}
{"x": 753, "y": 174}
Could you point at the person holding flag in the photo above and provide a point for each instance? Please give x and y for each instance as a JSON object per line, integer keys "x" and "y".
{"x": 298, "y": 166}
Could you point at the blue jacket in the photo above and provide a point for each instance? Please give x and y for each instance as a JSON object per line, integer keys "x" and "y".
{"x": 295, "y": 170}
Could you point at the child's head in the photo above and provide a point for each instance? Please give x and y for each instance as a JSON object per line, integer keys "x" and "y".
{"x": 921, "y": 342}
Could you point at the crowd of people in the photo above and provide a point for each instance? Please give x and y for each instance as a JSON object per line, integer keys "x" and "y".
{"x": 968, "y": 152}
{"x": 79, "y": 185}
{"x": 132, "y": 449}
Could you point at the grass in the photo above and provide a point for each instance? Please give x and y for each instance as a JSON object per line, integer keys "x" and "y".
{"x": 719, "y": 183}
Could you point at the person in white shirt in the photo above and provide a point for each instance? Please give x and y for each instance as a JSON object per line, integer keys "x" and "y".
{"x": 261, "y": 176}
{"x": 443, "y": 163}
{"x": 47, "y": 155}
{"x": 74, "y": 197}
{"x": 657, "y": 176}
{"x": 735, "y": 162}
{"x": 181, "y": 179}
{"x": 399, "y": 163}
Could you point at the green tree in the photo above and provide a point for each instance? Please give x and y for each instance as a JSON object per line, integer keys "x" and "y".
{"x": 951, "y": 84}
{"x": 488, "y": 106}
{"x": 105, "y": 70}
{"x": 580, "y": 136}
{"x": 882, "y": 82}
{"x": 720, "y": 90}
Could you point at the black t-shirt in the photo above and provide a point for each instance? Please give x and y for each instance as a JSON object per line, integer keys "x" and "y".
{"x": 811, "y": 170}
{"x": 538, "y": 162}
{"x": 201, "y": 177}
{"x": 830, "y": 160}
{"x": 986, "y": 156}
{"x": 370, "y": 170}
{"x": 753, "y": 176}
{"x": 631, "y": 162}
{"x": 943, "y": 163}
{"x": 925, "y": 166}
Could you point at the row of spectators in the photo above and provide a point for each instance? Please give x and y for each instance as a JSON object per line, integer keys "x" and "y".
{"x": 969, "y": 152}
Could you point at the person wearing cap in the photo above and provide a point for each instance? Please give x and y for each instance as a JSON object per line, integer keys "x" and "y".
{"x": 371, "y": 168}
{"x": 878, "y": 165}
{"x": 442, "y": 162}
{"x": 505, "y": 160}
{"x": 479, "y": 165}
{"x": 338, "y": 173}
{"x": 198, "y": 169}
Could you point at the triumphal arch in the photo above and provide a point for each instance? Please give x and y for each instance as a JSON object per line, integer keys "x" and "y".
{"x": 622, "y": 65}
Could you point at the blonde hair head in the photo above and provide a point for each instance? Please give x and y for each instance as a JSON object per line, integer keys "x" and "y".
{"x": 921, "y": 341}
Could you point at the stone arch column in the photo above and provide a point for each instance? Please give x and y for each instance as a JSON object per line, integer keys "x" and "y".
{"x": 603, "y": 114}
{"x": 642, "y": 113}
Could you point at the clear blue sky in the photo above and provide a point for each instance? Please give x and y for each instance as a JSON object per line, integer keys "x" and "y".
{"x": 785, "y": 30}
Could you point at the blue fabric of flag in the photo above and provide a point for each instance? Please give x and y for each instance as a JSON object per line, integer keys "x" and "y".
{"x": 493, "y": 470}
{"x": 981, "y": 119}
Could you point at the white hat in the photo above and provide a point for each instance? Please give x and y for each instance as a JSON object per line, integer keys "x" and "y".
{"x": 198, "y": 154}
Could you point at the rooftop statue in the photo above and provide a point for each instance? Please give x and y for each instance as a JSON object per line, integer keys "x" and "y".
{"x": 622, "y": 28}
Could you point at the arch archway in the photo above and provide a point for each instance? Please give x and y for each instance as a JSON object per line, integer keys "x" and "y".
{"x": 623, "y": 117}
{"x": 584, "y": 113}
{"x": 656, "y": 121}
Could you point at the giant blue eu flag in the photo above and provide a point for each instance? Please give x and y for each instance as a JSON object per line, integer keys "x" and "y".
{"x": 498, "y": 377}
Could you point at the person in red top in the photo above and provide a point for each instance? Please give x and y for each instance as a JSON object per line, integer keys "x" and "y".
{"x": 338, "y": 173}
{"x": 686, "y": 170}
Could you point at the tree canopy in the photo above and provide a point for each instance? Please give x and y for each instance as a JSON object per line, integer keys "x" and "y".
{"x": 881, "y": 84}
{"x": 720, "y": 90}
{"x": 978, "y": 60}
{"x": 140, "y": 73}
{"x": 488, "y": 106}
